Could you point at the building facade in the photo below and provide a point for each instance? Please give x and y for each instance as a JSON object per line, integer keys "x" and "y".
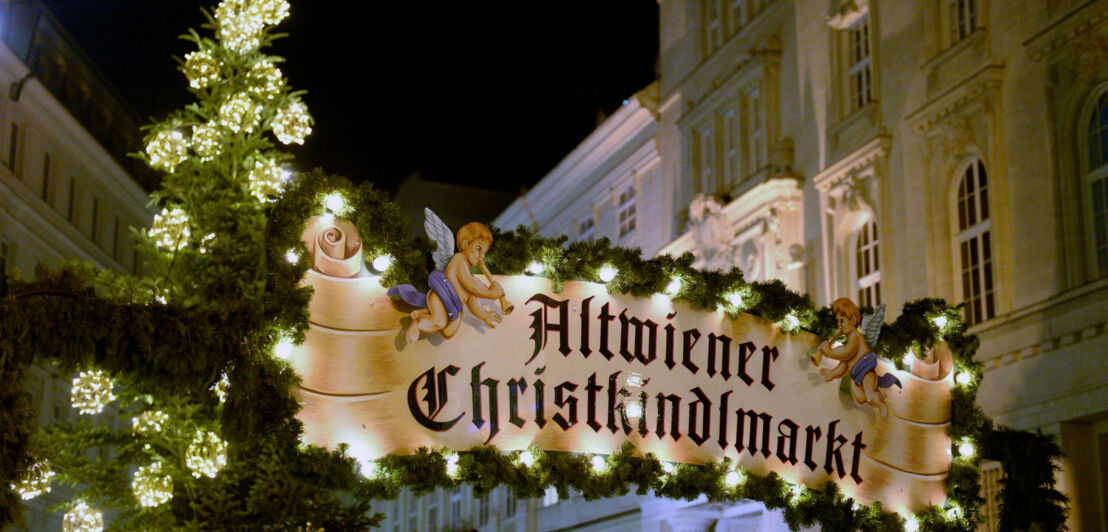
{"x": 66, "y": 186}
{"x": 885, "y": 151}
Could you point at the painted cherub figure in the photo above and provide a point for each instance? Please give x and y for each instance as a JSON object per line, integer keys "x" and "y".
{"x": 856, "y": 354}
{"x": 452, "y": 283}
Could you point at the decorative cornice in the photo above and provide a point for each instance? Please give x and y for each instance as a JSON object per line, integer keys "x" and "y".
{"x": 861, "y": 158}
{"x": 939, "y": 108}
{"x": 1061, "y": 34}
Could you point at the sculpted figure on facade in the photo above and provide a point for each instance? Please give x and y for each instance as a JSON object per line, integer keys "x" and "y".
{"x": 713, "y": 233}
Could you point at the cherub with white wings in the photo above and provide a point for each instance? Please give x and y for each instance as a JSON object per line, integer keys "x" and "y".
{"x": 856, "y": 354}
{"x": 452, "y": 283}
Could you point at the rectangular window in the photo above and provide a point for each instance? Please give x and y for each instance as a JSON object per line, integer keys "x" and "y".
{"x": 963, "y": 19}
{"x": 95, "y": 219}
{"x": 45, "y": 192}
{"x": 756, "y": 127}
{"x": 627, "y": 211}
{"x": 705, "y": 156}
{"x": 729, "y": 130}
{"x": 867, "y": 266}
{"x": 433, "y": 518}
{"x": 977, "y": 278}
{"x": 858, "y": 73}
{"x": 456, "y": 509}
{"x": 738, "y": 15}
{"x": 510, "y": 504}
{"x": 713, "y": 25}
{"x": 483, "y": 510}
{"x": 13, "y": 147}
{"x": 586, "y": 228}
{"x": 69, "y": 213}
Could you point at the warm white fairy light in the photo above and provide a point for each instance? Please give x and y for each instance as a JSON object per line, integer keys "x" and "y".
{"x": 526, "y": 458}
{"x": 206, "y": 141}
{"x": 35, "y": 482}
{"x": 92, "y": 391}
{"x": 82, "y": 519}
{"x": 735, "y": 299}
{"x": 911, "y": 524}
{"x": 266, "y": 78}
{"x": 206, "y": 243}
{"x": 673, "y": 287}
{"x": 963, "y": 378}
{"x": 201, "y": 69}
{"x": 220, "y": 388}
{"x": 954, "y": 512}
{"x": 206, "y": 455}
{"x": 795, "y": 491}
{"x": 170, "y": 229}
{"x": 167, "y": 149}
{"x": 382, "y": 262}
{"x": 733, "y": 479}
{"x": 335, "y": 203}
{"x": 908, "y": 358}
{"x": 292, "y": 257}
{"x": 790, "y": 322}
{"x": 266, "y": 179}
{"x": 150, "y": 422}
{"x": 283, "y": 349}
{"x": 272, "y": 12}
{"x": 599, "y": 463}
{"x": 151, "y": 487}
{"x": 292, "y": 124}
{"x": 965, "y": 449}
{"x": 240, "y": 113}
{"x": 240, "y": 28}
{"x": 939, "y": 321}
{"x": 535, "y": 267}
{"x": 668, "y": 468}
{"x": 634, "y": 410}
{"x": 452, "y": 465}
{"x": 367, "y": 469}
{"x": 607, "y": 273}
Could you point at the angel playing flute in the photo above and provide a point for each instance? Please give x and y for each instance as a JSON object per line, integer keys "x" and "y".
{"x": 452, "y": 283}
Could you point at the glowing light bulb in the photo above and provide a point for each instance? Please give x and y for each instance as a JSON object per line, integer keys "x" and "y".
{"x": 35, "y": 482}
{"x": 170, "y": 229}
{"x": 795, "y": 490}
{"x": 368, "y": 469}
{"x": 535, "y": 268}
{"x": 735, "y": 299}
{"x": 220, "y": 388}
{"x": 667, "y": 468}
{"x": 732, "y": 479}
{"x": 954, "y": 512}
{"x": 82, "y": 519}
{"x": 599, "y": 463}
{"x": 634, "y": 410}
{"x": 452, "y": 465}
{"x": 206, "y": 455}
{"x": 292, "y": 256}
{"x": 526, "y": 458}
{"x": 167, "y": 149}
{"x": 673, "y": 287}
{"x": 151, "y": 487}
{"x": 911, "y": 524}
{"x": 91, "y": 392}
{"x": 150, "y": 422}
{"x": 334, "y": 203}
{"x": 908, "y": 358}
{"x": 382, "y": 262}
{"x": 939, "y": 321}
{"x": 607, "y": 273}
{"x": 966, "y": 449}
{"x": 284, "y": 348}
{"x": 963, "y": 378}
{"x": 790, "y": 322}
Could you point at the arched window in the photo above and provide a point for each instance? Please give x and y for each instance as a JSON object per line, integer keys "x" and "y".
{"x": 1096, "y": 179}
{"x": 868, "y": 272}
{"x": 974, "y": 244}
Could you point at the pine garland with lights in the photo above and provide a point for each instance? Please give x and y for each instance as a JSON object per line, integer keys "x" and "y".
{"x": 193, "y": 351}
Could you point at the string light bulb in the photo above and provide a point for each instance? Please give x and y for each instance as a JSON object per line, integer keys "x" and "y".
{"x": 266, "y": 78}
{"x": 795, "y": 491}
{"x": 790, "y": 322}
{"x": 170, "y": 229}
{"x": 911, "y": 524}
{"x": 526, "y": 458}
{"x": 91, "y": 392}
{"x": 35, "y": 482}
{"x": 599, "y": 463}
{"x": 201, "y": 69}
{"x": 167, "y": 149}
{"x": 673, "y": 287}
{"x": 735, "y": 299}
{"x": 607, "y": 273}
{"x": 382, "y": 263}
{"x": 452, "y": 465}
{"x": 240, "y": 28}
{"x": 335, "y": 203}
{"x": 668, "y": 468}
{"x": 535, "y": 267}
{"x": 266, "y": 179}
{"x": 150, "y": 486}
{"x": 283, "y": 349}
{"x": 292, "y": 257}
{"x": 150, "y": 422}
{"x": 965, "y": 449}
{"x": 220, "y": 388}
{"x": 240, "y": 113}
{"x": 367, "y": 469}
{"x": 954, "y": 512}
{"x": 939, "y": 321}
{"x": 82, "y": 519}
{"x": 733, "y": 479}
{"x": 963, "y": 378}
{"x": 206, "y": 455}
{"x": 292, "y": 124}
{"x": 634, "y": 410}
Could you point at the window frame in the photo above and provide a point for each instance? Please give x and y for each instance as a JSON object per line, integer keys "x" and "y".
{"x": 1091, "y": 176}
{"x": 972, "y": 232}
{"x": 867, "y": 249}
{"x": 860, "y": 66}
{"x": 626, "y": 212}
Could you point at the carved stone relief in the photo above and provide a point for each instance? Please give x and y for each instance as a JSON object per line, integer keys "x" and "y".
{"x": 712, "y": 234}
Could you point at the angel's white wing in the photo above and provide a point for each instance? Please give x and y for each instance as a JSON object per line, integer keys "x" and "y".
{"x": 871, "y": 325}
{"x": 441, "y": 235}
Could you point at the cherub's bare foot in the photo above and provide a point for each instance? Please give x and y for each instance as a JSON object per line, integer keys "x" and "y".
{"x": 413, "y": 332}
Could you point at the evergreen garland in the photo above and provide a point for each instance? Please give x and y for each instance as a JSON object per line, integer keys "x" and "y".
{"x": 219, "y": 299}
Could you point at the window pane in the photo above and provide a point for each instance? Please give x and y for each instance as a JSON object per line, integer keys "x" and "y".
{"x": 986, "y": 246}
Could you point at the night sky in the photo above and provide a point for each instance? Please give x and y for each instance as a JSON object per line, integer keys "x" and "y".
{"x": 482, "y": 93}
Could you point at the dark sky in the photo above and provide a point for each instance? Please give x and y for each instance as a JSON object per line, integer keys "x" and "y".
{"x": 484, "y": 93}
